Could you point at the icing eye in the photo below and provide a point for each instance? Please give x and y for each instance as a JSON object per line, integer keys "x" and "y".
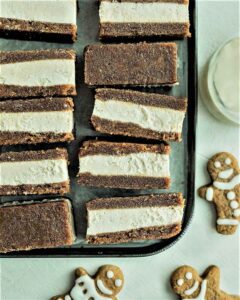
{"x": 217, "y": 164}
{"x": 110, "y": 274}
{"x": 188, "y": 275}
{"x": 228, "y": 161}
{"x": 180, "y": 282}
{"x": 118, "y": 282}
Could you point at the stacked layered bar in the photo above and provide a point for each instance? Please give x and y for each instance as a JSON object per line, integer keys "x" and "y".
{"x": 37, "y": 73}
{"x": 136, "y": 114}
{"x": 35, "y": 225}
{"x": 140, "y": 64}
{"x": 121, "y": 220}
{"x": 36, "y": 121}
{"x": 47, "y": 20}
{"x": 144, "y": 18}
{"x": 124, "y": 165}
{"x": 34, "y": 172}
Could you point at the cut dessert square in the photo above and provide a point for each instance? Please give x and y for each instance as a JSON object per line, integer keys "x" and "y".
{"x": 36, "y": 225}
{"x": 139, "y": 64}
{"x": 124, "y": 165}
{"x": 141, "y": 18}
{"x": 121, "y": 220}
{"x": 34, "y": 172}
{"x": 36, "y": 121}
{"x": 44, "y": 20}
{"x": 137, "y": 114}
{"x": 37, "y": 73}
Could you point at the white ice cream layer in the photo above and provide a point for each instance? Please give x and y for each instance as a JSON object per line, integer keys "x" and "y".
{"x": 148, "y": 117}
{"x": 129, "y": 12}
{"x": 114, "y": 220}
{"x": 37, "y": 122}
{"x": 33, "y": 172}
{"x": 49, "y": 72}
{"x": 52, "y": 11}
{"x": 144, "y": 164}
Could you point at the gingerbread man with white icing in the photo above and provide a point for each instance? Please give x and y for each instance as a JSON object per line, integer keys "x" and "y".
{"x": 224, "y": 191}
{"x": 188, "y": 284}
{"x": 106, "y": 284}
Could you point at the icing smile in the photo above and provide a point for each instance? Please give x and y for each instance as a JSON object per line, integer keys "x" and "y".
{"x": 103, "y": 288}
{"x": 192, "y": 289}
{"x": 225, "y": 174}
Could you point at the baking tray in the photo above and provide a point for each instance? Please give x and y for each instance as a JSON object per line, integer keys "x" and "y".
{"x": 182, "y": 163}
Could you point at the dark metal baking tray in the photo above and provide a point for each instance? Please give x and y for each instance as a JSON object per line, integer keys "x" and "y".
{"x": 182, "y": 156}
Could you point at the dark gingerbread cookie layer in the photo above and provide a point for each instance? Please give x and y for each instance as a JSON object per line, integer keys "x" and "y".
{"x": 41, "y": 105}
{"x": 124, "y": 182}
{"x": 34, "y": 30}
{"x": 61, "y": 188}
{"x": 36, "y": 225}
{"x": 93, "y": 147}
{"x": 150, "y": 233}
{"x": 141, "y": 64}
{"x": 58, "y": 153}
{"x": 173, "y": 199}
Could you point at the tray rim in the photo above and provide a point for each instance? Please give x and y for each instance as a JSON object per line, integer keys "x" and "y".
{"x": 156, "y": 248}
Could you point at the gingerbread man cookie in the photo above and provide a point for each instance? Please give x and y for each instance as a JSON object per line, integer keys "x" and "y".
{"x": 188, "y": 284}
{"x": 224, "y": 191}
{"x": 105, "y": 284}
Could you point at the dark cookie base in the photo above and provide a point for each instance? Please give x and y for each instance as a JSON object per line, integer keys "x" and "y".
{"x": 124, "y": 182}
{"x": 35, "y": 226}
{"x": 172, "y": 199}
{"x": 132, "y": 130}
{"x": 32, "y": 30}
{"x": 112, "y": 30}
{"x": 150, "y": 233}
{"x": 140, "y": 64}
{"x": 42, "y": 189}
{"x": 14, "y": 91}
{"x": 110, "y": 148}
{"x": 58, "y": 153}
{"x": 17, "y": 138}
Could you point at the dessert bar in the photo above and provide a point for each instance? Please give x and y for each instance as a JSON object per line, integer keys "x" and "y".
{"x": 35, "y": 225}
{"x": 121, "y": 220}
{"x": 37, "y": 73}
{"x": 34, "y": 172}
{"x": 124, "y": 165}
{"x": 140, "y": 64}
{"x": 137, "y": 114}
{"x": 36, "y": 121}
{"x": 141, "y": 18}
{"x": 42, "y": 20}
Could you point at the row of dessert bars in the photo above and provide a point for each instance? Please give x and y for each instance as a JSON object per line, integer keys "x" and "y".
{"x": 42, "y": 84}
{"x": 57, "y": 21}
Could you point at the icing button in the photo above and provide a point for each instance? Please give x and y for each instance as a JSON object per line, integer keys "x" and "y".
{"x": 236, "y": 213}
{"x": 231, "y": 195}
{"x": 234, "y": 204}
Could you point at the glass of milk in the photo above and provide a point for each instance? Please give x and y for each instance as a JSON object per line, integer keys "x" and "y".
{"x": 221, "y": 83}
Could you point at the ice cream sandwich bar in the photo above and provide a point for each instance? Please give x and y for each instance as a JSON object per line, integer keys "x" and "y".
{"x": 137, "y": 114}
{"x": 42, "y": 20}
{"x": 141, "y": 18}
{"x": 35, "y": 121}
{"x": 124, "y": 165}
{"x": 37, "y": 73}
{"x": 34, "y": 172}
{"x": 35, "y": 225}
{"x": 139, "y": 64}
{"x": 121, "y": 220}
